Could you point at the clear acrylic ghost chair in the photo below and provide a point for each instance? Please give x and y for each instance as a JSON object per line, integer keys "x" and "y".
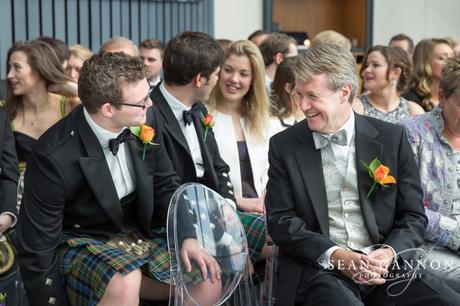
{"x": 271, "y": 267}
{"x": 218, "y": 230}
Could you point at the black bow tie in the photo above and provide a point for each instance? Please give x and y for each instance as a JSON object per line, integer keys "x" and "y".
{"x": 114, "y": 143}
{"x": 188, "y": 119}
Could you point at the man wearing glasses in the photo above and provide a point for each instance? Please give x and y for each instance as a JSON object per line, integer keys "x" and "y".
{"x": 93, "y": 200}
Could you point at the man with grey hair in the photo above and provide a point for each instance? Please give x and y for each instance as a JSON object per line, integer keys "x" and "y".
{"x": 120, "y": 44}
{"x": 344, "y": 203}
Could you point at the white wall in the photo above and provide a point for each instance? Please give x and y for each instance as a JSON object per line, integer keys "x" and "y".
{"x": 236, "y": 19}
{"x": 417, "y": 18}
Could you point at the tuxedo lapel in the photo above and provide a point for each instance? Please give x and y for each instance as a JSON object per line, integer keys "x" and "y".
{"x": 367, "y": 149}
{"x": 200, "y": 134}
{"x": 311, "y": 169}
{"x": 97, "y": 173}
{"x": 144, "y": 180}
{"x": 171, "y": 124}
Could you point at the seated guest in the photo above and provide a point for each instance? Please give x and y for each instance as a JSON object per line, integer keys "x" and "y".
{"x": 151, "y": 52}
{"x": 435, "y": 140}
{"x": 33, "y": 68}
{"x": 337, "y": 232}
{"x": 258, "y": 36}
{"x": 191, "y": 67}
{"x": 91, "y": 183}
{"x": 239, "y": 105}
{"x": 403, "y": 41}
{"x": 275, "y": 48}
{"x": 429, "y": 56}
{"x": 8, "y": 174}
{"x": 386, "y": 73}
{"x": 331, "y": 37}
{"x": 120, "y": 44}
{"x": 78, "y": 54}
{"x": 283, "y": 100}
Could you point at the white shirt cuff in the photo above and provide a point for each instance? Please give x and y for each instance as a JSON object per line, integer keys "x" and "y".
{"x": 15, "y": 219}
{"x": 324, "y": 261}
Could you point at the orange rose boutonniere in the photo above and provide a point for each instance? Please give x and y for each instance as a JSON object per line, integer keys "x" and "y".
{"x": 379, "y": 173}
{"x": 207, "y": 122}
{"x": 145, "y": 133}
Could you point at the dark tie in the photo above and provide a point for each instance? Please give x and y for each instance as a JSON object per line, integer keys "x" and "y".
{"x": 114, "y": 143}
{"x": 188, "y": 119}
{"x": 339, "y": 138}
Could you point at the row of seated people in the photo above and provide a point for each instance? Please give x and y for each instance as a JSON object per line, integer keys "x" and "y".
{"x": 239, "y": 136}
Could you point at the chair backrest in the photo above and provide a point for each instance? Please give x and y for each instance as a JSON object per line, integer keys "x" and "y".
{"x": 198, "y": 211}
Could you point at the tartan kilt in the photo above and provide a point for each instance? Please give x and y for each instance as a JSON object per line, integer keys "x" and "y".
{"x": 87, "y": 265}
{"x": 254, "y": 227}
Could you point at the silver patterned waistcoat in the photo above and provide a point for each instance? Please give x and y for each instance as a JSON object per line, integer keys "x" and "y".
{"x": 346, "y": 223}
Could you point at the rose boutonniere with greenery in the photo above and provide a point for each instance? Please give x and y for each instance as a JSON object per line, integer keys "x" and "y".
{"x": 145, "y": 134}
{"x": 207, "y": 122}
{"x": 379, "y": 174}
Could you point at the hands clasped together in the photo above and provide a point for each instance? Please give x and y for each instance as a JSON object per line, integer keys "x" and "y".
{"x": 364, "y": 269}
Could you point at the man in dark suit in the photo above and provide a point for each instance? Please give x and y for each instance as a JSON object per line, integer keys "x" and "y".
{"x": 340, "y": 236}
{"x": 94, "y": 197}
{"x": 191, "y": 68}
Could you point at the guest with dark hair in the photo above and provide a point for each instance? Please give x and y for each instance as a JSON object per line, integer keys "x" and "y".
{"x": 33, "y": 67}
{"x": 284, "y": 104}
{"x": 275, "y": 48}
{"x": 151, "y": 52}
{"x": 258, "y": 36}
{"x": 386, "y": 73}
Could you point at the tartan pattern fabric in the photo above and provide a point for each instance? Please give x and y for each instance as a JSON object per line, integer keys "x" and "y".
{"x": 87, "y": 266}
{"x": 254, "y": 227}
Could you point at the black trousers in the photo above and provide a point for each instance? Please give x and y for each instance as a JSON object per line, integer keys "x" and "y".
{"x": 403, "y": 287}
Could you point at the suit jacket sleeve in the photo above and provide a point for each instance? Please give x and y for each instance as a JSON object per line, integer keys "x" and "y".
{"x": 287, "y": 229}
{"x": 39, "y": 228}
{"x": 9, "y": 173}
{"x": 408, "y": 231}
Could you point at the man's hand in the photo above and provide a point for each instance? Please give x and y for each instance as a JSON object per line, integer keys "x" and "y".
{"x": 358, "y": 267}
{"x": 191, "y": 251}
{"x": 383, "y": 257}
{"x": 253, "y": 205}
{"x": 5, "y": 222}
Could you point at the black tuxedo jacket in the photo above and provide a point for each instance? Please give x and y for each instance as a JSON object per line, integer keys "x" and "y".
{"x": 215, "y": 169}
{"x": 68, "y": 187}
{"x": 9, "y": 173}
{"x": 297, "y": 208}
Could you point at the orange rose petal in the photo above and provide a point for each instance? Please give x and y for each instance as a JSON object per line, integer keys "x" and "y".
{"x": 388, "y": 180}
{"x": 146, "y": 134}
{"x": 380, "y": 173}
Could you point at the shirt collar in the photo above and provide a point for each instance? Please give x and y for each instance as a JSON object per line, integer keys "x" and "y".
{"x": 348, "y": 126}
{"x": 177, "y": 106}
{"x": 102, "y": 135}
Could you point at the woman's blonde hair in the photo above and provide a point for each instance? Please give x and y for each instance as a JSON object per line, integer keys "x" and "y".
{"x": 254, "y": 106}
{"x": 423, "y": 74}
{"x": 80, "y": 52}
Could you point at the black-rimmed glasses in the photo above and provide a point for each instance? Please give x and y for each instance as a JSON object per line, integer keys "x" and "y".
{"x": 143, "y": 105}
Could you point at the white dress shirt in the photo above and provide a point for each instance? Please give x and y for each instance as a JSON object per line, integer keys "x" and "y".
{"x": 120, "y": 165}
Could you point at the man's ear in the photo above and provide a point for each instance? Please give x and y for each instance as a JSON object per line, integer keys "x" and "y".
{"x": 107, "y": 110}
{"x": 278, "y": 58}
{"x": 346, "y": 92}
{"x": 199, "y": 80}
